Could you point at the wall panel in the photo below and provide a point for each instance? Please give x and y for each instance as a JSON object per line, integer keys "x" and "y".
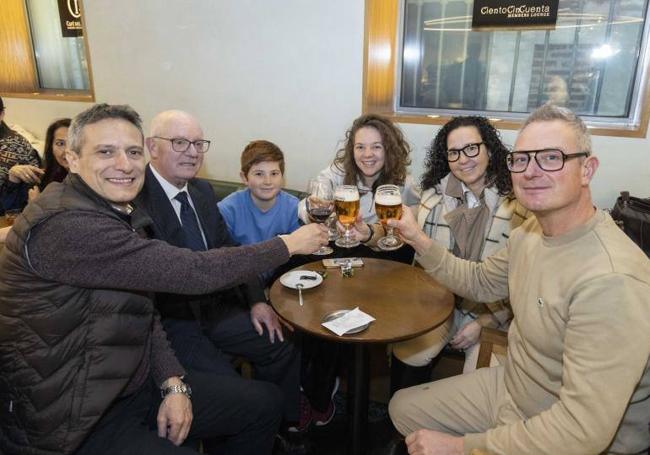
{"x": 17, "y": 68}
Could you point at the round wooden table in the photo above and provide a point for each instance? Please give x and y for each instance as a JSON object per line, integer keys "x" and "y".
{"x": 404, "y": 300}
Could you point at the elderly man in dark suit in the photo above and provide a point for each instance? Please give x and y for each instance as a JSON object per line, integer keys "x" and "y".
{"x": 207, "y": 330}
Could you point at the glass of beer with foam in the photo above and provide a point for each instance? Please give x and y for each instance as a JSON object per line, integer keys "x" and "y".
{"x": 346, "y": 202}
{"x": 388, "y": 206}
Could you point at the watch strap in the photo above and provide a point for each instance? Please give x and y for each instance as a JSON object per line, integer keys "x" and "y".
{"x": 177, "y": 388}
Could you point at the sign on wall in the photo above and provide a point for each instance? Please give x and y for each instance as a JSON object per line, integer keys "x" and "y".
{"x": 514, "y": 14}
{"x": 70, "y": 14}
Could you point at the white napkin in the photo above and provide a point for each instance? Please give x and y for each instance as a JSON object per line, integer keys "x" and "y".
{"x": 349, "y": 321}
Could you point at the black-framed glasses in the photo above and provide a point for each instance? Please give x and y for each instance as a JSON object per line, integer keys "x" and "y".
{"x": 180, "y": 144}
{"x": 550, "y": 160}
{"x": 470, "y": 151}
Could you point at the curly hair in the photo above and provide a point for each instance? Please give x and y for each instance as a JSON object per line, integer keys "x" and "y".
{"x": 53, "y": 170}
{"x": 436, "y": 164}
{"x": 396, "y": 152}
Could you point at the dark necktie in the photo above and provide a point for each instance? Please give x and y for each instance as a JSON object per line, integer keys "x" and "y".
{"x": 191, "y": 230}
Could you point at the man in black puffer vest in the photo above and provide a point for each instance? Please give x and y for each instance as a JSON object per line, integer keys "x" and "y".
{"x": 85, "y": 366}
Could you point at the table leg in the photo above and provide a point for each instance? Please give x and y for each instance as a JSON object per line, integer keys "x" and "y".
{"x": 358, "y": 381}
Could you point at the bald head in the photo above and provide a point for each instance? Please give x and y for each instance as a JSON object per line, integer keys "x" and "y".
{"x": 165, "y": 121}
{"x": 167, "y": 128}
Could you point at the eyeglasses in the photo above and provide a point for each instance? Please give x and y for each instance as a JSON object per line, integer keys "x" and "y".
{"x": 470, "y": 151}
{"x": 180, "y": 144}
{"x": 547, "y": 159}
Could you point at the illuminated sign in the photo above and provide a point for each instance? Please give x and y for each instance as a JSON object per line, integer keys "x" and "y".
{"x": 514, "y": 14}
{"x": 70, "y": 15}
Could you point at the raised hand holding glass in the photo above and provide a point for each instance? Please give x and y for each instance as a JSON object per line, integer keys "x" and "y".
{"x": 320, "y": 205}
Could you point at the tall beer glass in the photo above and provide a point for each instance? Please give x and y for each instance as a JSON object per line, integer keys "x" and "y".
{"x": 320, "y": 205}
{"x": 388, "y": 206}
{"x": 346, "y": 201}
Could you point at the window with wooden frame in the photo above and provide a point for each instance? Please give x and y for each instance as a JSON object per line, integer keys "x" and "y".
{"x": 43, "y": 52}
{"x": 424, "y": 64}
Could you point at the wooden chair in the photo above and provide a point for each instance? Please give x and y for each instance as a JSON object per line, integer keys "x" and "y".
{"x": 492, "y": 341}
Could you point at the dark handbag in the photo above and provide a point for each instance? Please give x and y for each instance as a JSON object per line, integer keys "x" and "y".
{"x": 632, "y": 214}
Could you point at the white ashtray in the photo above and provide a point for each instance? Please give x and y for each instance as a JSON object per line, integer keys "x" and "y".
{"x": 307, "y": 278}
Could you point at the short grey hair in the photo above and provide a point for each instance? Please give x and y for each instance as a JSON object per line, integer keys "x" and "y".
{"x": 550, "y": 112}
{"x": 96, "y": 114}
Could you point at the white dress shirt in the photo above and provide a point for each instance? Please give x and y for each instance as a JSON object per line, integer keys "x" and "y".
{"x": 171, "y": 192}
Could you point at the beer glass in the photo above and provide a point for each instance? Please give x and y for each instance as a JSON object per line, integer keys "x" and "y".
{"x": 346, "y": 201}
{"x": 388, "y": 206}
{"x": 320, "y": 205}
{"x": 11, "y": 215}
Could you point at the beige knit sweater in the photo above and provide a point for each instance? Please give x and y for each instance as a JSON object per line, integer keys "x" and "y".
{"x": 579, "y": 343}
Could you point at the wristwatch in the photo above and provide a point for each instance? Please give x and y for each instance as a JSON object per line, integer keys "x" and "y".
{"x": 177, "y": 388}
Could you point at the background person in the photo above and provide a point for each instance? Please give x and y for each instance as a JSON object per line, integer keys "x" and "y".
{"x": 56, "y": 165}
{"x": 576, "y": 378}
{"x": 19, "y": 167}
{"x": 556, "y": 91}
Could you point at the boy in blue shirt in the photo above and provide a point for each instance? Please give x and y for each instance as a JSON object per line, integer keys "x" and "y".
{"x": 262, "y": 210}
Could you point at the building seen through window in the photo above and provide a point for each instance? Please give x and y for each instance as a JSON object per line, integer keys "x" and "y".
{"x": 590, "y": 63}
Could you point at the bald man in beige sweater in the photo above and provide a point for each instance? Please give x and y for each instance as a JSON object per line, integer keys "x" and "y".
{"x": 576, "y": 380}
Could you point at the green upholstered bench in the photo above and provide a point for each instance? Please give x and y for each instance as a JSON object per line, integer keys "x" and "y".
{"x": 223, "y": 188}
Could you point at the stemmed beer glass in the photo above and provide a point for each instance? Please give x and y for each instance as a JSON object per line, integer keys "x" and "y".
{"x": 320, "y": 205}
{"x": 388, "y": 206}
{"x": 346, "y": 200}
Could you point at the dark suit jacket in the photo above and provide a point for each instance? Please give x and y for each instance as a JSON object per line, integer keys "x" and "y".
{"x": 166, "y": 226}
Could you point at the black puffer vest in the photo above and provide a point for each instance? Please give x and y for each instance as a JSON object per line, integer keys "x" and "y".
{"x": 66, "y": 353}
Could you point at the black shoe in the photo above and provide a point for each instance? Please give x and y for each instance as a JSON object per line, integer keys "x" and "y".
{"x": 291, "y": 444}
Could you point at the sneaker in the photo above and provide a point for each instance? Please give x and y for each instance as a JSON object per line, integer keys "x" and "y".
{"x": 305, "y": 416}
{"x": 323, "y": 418}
